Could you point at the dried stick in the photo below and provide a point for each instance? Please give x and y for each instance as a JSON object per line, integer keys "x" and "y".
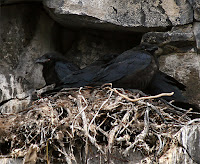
{"x": 157, "y": 111}
{"x": 178, "y": 108}
{"x": 85, "y": 125}
{"x": 111, "y": 137}
{"x": 101, "y": 130}
{"x": 184, "y": 114}
{"x": 47, "y": 151}
{"x": 124, "y": 120}
{"x": 67, "y": 157}
{"x": 142, "y": 98}
{"x": 194, "y": 120}
{"x": 100, "y": 109}
{"x": 80, "y": 112}
{"x": 127, "y": 125}
{"x": 140, "y": 137}
{"x": 161, "y": 145}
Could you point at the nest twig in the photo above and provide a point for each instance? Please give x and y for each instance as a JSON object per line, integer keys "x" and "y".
{"x": 104, "y": 117}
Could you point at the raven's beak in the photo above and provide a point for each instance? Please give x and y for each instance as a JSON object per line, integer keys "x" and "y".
{"x": 41, "y": 60}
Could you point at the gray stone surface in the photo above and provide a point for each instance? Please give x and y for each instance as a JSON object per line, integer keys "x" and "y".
{"x": 111, "y": 14}
{"x": 196, "y": 7}
{"x": 185, "y": 67}
{"x": 178, "y": 39}
{"x": 91, "y": 44}
{"x": 188, "y": 142}
{"x": 127, "y": 15}
{"x": 24, "y": 35}
{"x": 197, "y": 34}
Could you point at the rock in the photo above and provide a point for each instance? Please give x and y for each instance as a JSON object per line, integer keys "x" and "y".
{"x": 137, "y": 15}
{"x": 179, "y": 39}
{"x": 10, "y": 87}
{"x": 188, "y": 142}
{"x": 92, "y": 44}
{"x": 196, "y": 7}
{"x": 133, "y": 16}
{"x": 185, "y": 67}
{"x": 197, "y": 34}
{"x": 25, "y": 35}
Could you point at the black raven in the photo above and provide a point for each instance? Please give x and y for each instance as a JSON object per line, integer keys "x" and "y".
{"x": 131, "y": 69}
{"x": 55, "y": 67}
{"x": 122, "y": 68}
{"x": 139, "y": 69}
{"x": 86, "y": 75}
{"x": 163, "y": 83}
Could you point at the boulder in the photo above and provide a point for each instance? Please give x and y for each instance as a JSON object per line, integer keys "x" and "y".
{"x": 127, "y": 15}
{"x": 186, "y": 147}
{"x": 197, "y": 34}
{"x": 178, "y": 39}
{"x": 196, "y": 7}
{"x": 185, "y": 67}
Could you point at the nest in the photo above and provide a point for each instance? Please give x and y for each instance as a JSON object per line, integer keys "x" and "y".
{"x": 53, "y": 128}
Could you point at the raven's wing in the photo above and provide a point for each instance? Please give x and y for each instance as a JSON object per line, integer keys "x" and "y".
{"x": 81, "y": 77}
{"x": 172, "y": 81}
{"x": 163, "y": 83}
{"x": 128, "y": 63}
{"x": 63, "y": 69}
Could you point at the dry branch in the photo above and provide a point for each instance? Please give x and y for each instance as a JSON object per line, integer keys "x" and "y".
{"x": 104, "y": 117}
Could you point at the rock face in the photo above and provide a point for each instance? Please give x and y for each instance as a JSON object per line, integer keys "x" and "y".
{"x": 84, "y": 30}
{"x": 185, "y": 68}
{"x": 196, "y": 7}
{"x": 111, "y": 13}
{"x": 188, "y": 138}
{"x": 22, "y": 40}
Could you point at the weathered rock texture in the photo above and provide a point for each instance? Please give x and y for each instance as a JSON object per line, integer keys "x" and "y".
{"x": 23, "y": 38}
{"x": 136, "y": 13}
{"x": 187, "y": 140}
{"x": 84, "y": 30}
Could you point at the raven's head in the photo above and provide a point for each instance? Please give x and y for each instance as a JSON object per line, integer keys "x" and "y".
{"x": 148, "y": 47}
{"x": 50, "y": 57}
